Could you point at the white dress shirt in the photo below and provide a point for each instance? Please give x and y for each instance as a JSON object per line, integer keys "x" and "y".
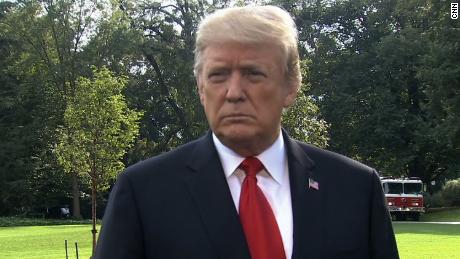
{"x": 274, "y": 183}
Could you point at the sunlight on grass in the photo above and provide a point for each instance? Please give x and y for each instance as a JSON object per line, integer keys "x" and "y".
{"x": 44, "y": 241}
{"x": 428, "y": 241}
{"x": 415, "y": 240}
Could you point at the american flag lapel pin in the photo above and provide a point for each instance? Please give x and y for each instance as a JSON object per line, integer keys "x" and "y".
{"x": 312, "y": 184}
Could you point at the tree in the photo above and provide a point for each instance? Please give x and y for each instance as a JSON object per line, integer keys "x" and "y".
{"x": 14, "y": 139}
{"x": 47, "y": 45}
{"x": 50, "y": 36}
{"x": 439, "y": 74}
{"x": 376, "y": 73}
{"x": 302, "y": 119}
{"x": 168, "y": 94}
{"x": 99, "y": 128}
{"x": 174, "y": 114}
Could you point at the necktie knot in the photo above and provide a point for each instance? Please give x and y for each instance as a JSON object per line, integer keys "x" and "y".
{"x": 251, "y": 165}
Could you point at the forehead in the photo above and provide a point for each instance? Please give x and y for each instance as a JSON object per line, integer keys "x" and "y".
{"x": 242, "y": 54}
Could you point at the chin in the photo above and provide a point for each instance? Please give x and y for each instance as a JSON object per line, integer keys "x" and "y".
{"x": 236, "y": 134}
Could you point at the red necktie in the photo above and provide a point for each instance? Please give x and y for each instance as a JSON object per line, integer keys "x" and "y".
{"x": 256, "y": 216}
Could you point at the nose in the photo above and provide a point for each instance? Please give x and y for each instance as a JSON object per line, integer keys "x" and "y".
{"x": 235, "y": 88}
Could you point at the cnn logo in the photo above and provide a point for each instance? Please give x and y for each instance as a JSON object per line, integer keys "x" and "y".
{"x": 454, "y": 11}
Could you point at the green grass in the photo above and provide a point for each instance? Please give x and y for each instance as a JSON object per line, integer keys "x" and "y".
{"x": 415, "y": 241}
{"x": 430, "y": 241}
{"x": 32, "y": 242}
{"x": 45, "y": 239}
{"x": 427, "y": 241}
{"x": 442, "y": 216}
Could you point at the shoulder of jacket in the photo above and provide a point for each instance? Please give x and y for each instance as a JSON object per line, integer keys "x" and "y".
{"x": 320, "y": 155}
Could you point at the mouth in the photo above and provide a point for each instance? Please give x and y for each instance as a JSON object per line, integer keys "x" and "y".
{"x": 237, "y": 117}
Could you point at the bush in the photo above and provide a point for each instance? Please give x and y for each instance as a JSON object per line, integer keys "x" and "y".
{"x": 20, "y": 221}
{"x": 451, "y": 193}
{"x": 434, "y": 201}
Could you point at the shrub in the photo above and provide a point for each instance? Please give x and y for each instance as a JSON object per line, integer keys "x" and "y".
{"x": 451, "y": 193}
{"x": 434, "y": 201}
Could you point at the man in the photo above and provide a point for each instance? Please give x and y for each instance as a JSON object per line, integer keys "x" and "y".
{"x": 246, "y": 190}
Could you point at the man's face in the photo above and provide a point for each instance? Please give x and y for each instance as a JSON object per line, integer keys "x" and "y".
{"x": 243, "y": 90}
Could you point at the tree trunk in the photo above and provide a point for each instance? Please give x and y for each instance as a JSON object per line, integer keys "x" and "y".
{"x": 93, "y": 210}
{"x": 415, "y": 168}
{"x": 76, "y": 213}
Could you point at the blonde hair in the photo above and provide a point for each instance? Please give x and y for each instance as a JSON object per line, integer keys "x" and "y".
{"x": 252, "y": 25}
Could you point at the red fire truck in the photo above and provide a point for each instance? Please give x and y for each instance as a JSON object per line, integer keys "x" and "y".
{"x": 404, "y": 197}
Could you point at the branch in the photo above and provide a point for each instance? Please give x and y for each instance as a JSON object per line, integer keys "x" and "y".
{"x": 177, "y": 20}
{"x": 157, "y": 31}
{"x": 165, "y": 92}
{"x": 168, "y": 138}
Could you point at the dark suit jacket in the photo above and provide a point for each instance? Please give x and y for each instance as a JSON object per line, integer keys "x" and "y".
{"x": 178, "y": 205}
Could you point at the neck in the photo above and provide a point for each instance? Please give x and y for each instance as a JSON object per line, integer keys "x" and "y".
{"x": 247, "y": 148}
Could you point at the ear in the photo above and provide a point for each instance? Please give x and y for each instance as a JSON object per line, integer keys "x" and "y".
{"x": 199, "y": 85}
{"x": 290, "y": 95}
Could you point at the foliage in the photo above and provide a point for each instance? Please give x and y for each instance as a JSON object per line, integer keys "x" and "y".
{"x": 377, "y": 81}
{"x": 448, "y": 196}
{"x": 26, "y": 116}
{"x": 451, "y": 192}
{"x": 434, "y": 200}
{"x": 302, "y": 120}
{"x": 99, "y": 127}
{"x": 47, "y": 38}
{"x": 439, "y": 73}
{"x": 165, "y": 86}
{"x": 21, "y": 222}
{"x": 13, "y": 167}
{"x": 382, "y": 74}
{"x": 174, "y": 114}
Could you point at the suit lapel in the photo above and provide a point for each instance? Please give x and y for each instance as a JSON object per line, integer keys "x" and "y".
{"x": 306, "y": 203}
{"x": 211, "y": 194}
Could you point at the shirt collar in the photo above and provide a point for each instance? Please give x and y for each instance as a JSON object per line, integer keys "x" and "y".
{"x": 273, "y": 158}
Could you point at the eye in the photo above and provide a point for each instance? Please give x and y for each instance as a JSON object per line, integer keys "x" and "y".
{"x": 216, "y": 76}
{"x": 255, "y": 74}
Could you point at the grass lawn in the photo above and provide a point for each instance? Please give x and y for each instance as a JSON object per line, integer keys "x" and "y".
{"x": 45, "y": 239}
{"x": 427, "y": 241}
{"x": 32, "y": 242}
{"x": 442, "y": 216}
{"x": 415, "y": 241}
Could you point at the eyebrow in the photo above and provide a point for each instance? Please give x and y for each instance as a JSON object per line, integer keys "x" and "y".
{"x": 244, "y": 65}
{"x": 252, "y": 67}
